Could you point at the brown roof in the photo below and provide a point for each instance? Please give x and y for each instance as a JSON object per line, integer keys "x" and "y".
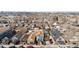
{"x": 2, "y": 29}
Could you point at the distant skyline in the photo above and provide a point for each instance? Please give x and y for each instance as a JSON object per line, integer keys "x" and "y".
{"x": 21, "y": 13}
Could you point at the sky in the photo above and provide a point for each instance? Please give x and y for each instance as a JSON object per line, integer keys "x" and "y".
{"x": 39, "y": 5}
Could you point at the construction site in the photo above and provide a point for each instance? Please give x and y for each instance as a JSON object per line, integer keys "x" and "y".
{"x": 39, "y": 30}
